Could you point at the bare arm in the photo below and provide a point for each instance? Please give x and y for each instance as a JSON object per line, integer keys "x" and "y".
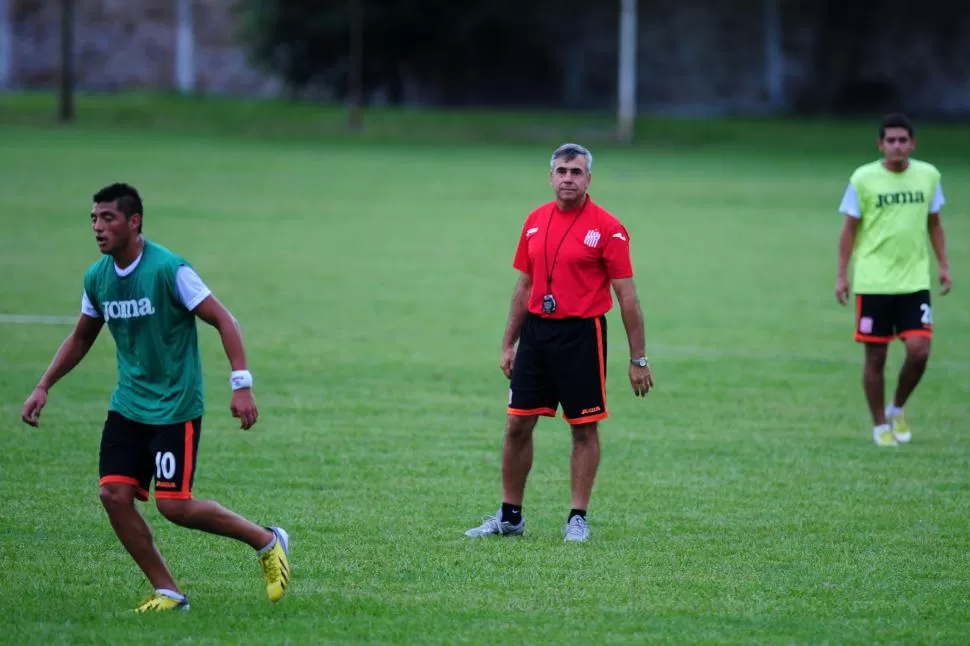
{"x": 846, "y": 244}
{"x": 938, "y": 240}
{"x": 626, "y": 296}
{"x": 72, "y": 351}
{"x": 215, "y": 314}
{"x": 517, "y": 310}
{"x": 243, "y": 403}
{"x": 641, "y": 378}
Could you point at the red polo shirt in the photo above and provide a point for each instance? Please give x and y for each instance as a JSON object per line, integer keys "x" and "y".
{"x": 593, "y": 249}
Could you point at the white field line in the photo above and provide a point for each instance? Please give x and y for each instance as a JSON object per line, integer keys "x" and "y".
{"x": 37, "y": 319}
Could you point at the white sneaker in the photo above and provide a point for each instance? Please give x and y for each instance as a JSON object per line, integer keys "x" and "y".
{"x": 576, "y": 529}
{"x": 495, "y": 526}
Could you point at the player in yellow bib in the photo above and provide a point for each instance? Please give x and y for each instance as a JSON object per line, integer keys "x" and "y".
{"x": 892, "y": 216}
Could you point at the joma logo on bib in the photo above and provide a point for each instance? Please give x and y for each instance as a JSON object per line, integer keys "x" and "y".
{"x": 127, "y": 309}
{"x": 904, "y": 197}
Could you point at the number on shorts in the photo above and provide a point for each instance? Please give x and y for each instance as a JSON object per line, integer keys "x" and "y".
{"x": 927, "y": 318}
{"x": 164, "y": 465}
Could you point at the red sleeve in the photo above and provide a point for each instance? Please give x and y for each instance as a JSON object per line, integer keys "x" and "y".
{"x": 522, "y": 260}
{"x": 616, "y": 253}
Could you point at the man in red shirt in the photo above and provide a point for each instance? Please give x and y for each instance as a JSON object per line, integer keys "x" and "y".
{"x": 570, "y": 253}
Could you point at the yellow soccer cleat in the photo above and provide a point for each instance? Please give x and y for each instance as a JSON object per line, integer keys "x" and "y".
{"x": 883, "y": 436}
{"x": 159, "y": 602}
{"x": 276, "y": 565}
{"x": 900, "y": 428}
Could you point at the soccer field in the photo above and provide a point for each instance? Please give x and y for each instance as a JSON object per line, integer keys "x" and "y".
{"x": 742, "y": 501}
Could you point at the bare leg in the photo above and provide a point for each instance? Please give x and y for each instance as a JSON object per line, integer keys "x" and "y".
{"x": 211, "y": 517}
{"x": 517, "y": 457}
{"x": 135, "y": 534}
{"x": 584, "y": 463}
{"x": 874, "y": 382}
{"x": 917, "y": 356}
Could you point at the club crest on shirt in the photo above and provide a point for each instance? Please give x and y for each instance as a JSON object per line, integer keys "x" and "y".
{"x": 592, "y": 238}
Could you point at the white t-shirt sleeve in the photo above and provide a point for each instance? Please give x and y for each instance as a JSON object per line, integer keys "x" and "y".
{"x": 191, "y": 289}
{"x": 87, "y": 308}
{"x": 850, "y": 203}
{"x": 938, "y": 200}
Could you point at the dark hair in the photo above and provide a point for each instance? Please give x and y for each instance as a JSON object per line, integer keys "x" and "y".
{"x": 127, "y": 197}
{"x": 895, "y": 120}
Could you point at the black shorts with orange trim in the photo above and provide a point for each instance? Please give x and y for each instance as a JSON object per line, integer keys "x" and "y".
{"x": 880, "y": 318}
{"x": 560, "y": 361}
{"x": 135, "y": 453}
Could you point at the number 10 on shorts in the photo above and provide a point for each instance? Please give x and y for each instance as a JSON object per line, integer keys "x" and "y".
{"x": 164, "y": 465}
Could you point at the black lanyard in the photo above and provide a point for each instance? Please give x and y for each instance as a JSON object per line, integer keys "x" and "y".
{"x": 545, "y": 247}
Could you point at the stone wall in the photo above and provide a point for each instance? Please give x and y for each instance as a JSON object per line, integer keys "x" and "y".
{"x": 131, "y": 43}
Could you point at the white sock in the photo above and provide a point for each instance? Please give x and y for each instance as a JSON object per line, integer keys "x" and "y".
{"x": 270, "y": 546}
{"x": 882, "y": 428}
{"x": 893, "y": 410}
{"x": 171, "y": 594}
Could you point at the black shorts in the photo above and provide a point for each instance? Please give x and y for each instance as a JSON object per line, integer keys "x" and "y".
{"x": 880, "y": 318}
{"x": 560, "y": 361}
{"x": 135, "y": 453}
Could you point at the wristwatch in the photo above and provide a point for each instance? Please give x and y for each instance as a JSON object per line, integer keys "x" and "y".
{"x": 642, "y": 362}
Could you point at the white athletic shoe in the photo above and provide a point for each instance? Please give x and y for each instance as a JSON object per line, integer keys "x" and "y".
{"x": 495, "y": 526}
{"x": 576, "y": 530}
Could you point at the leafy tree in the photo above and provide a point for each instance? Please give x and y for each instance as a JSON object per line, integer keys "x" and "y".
{"x": 498, "y": 52}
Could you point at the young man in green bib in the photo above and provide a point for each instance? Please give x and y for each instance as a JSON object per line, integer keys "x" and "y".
{"x": 150, "y": 298}
{"x": 892, "y": 217}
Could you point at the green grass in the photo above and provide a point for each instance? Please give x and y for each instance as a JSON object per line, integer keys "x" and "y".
{"x": 742, "y": 502}
{"x": 315, "y": 123}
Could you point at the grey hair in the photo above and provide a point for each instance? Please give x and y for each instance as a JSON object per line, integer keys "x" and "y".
{"x": 570, "y": 152}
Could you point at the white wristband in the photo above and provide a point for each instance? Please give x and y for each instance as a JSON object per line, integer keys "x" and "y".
{"x": 240, "y": 379}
